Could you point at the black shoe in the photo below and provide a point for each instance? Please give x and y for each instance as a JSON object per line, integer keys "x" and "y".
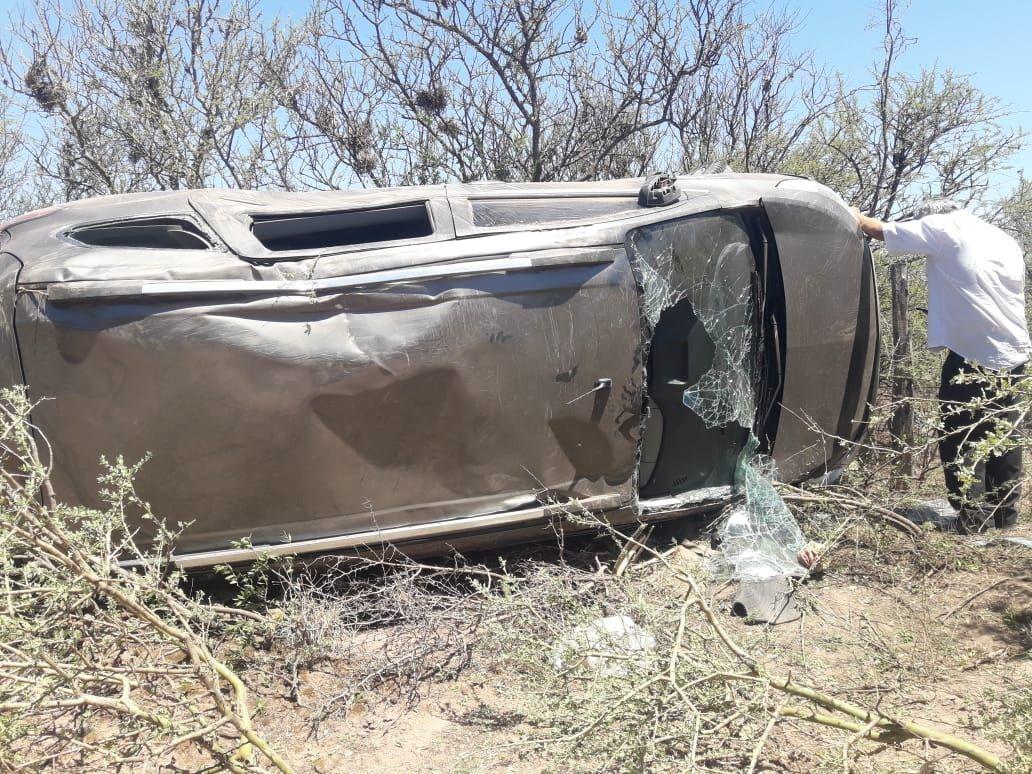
{"x": 971, "y": 521}
{"x": 1006, "y": 520}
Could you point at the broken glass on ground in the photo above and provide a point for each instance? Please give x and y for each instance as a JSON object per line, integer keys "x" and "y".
{"x": 704, "y": 266}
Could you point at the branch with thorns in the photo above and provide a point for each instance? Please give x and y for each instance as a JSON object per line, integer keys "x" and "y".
{"x": 93, "y": 646}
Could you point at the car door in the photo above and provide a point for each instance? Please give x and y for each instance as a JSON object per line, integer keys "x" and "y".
{"x": 700, "y": 277}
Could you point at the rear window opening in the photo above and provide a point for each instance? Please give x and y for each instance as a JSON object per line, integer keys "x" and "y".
{"x": 342, "y": 229}
{"x": 157, "y": 233}
{"x": 500, "y": 213}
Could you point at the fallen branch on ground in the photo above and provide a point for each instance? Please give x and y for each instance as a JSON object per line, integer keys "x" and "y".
{"x": 868, "y": 723}
{"x": 849, "y": 499}
{"x": 92, "y": 644}
{"x": 946, "y": 616}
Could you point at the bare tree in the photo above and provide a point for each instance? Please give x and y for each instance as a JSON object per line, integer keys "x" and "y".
{"x": 147, "y": 94}
{"x": 758, "y": 105}
{"x": 11, "y": 141}
{"x": 905, "y": 137}
{"x": 1014, "y": 215}
{"x": 405, "y": 92}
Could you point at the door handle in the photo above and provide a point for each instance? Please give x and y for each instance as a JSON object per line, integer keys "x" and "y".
{"x": 600, "y": 384}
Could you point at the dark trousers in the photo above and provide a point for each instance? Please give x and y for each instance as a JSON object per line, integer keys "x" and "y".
{"x": 964, "y": 428}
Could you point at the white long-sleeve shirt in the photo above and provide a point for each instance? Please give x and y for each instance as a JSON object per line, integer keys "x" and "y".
{"x": 976, "y": 286}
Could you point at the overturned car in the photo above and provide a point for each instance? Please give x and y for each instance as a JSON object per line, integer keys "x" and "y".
{"x": 447, "y": 366}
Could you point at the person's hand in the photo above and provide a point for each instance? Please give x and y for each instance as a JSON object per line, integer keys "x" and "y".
{"x": 868, "y": 226}
{"x": 810, "y": 557}
{"x": 807, "y": 557}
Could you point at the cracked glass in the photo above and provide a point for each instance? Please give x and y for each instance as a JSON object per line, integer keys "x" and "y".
{"x": 700, "y": 284}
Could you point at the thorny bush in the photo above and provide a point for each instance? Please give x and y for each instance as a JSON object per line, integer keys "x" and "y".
{"x": 388, "y": 625}
{"x": 103, "y": 665}
{"x": 687, "y": 696}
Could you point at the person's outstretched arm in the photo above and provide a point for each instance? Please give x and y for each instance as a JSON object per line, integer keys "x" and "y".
{"x": 873, "y": 227}
{"x": 929, "y": 236}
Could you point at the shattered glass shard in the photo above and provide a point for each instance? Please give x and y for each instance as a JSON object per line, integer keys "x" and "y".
{"x": 709, "y": 262}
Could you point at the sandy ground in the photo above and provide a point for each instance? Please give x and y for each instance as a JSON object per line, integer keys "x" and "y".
{"x": 884, "y": 623}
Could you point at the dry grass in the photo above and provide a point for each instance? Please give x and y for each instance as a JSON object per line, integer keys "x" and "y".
{"x": 872, "y": 633}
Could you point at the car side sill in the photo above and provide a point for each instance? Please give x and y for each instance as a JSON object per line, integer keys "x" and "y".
{"x": 687, "y": 501}
{"x": 391, "y": 535}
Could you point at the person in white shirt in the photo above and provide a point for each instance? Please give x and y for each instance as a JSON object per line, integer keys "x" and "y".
{"x": 976, "y": 311}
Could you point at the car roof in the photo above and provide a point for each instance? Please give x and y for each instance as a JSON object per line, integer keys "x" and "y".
{"x": 157, "y": 203}
{"x": 40, "y": 240}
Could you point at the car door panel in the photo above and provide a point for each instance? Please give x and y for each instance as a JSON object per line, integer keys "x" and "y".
{"x": 322, "y": 414}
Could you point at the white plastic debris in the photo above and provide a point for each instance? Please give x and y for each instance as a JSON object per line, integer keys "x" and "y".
{"x": 1018, "y": 541}
{"x": 604, "y": 645}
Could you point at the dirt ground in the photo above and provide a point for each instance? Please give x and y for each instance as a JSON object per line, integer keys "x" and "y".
{"x": 940, "y": 629}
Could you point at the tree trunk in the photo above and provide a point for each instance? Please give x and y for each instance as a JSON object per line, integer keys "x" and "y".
{"x": 901, "y": 423}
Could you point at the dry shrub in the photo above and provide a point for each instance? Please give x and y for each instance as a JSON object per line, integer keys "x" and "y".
{"x": 693, "y": 699}
{"x": 387, "y": 625}
{"x": 102, "y": 665}
{"x": 611, "y": 705}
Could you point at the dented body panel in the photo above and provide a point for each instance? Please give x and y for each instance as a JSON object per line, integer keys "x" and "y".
{"x": 426, "y": 388}
{"x": 375, "y": 407}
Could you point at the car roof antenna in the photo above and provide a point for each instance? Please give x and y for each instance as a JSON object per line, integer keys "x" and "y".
{"x": 659, "y": 190}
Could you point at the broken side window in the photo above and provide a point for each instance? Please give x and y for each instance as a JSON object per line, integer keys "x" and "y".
{"x": 321, "y": 230}
{"x": 701, "y": 367}
{"x": 154, "y": 233}
{"x": 701, "y": 311}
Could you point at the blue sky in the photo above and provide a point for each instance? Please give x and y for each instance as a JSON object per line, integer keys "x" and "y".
{"x": 987, "y": 40}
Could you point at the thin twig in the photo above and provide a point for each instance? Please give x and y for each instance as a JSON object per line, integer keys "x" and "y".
{"x": 980, "y": 592}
